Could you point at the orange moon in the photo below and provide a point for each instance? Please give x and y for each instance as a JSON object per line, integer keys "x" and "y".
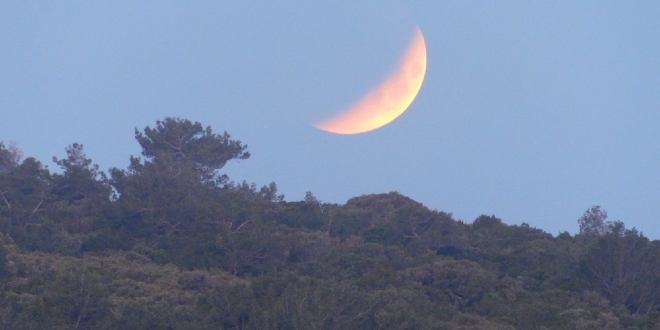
{"x": 387, "y": 101}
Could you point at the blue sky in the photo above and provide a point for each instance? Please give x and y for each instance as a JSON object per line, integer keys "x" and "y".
{"x": 532, "y": 111}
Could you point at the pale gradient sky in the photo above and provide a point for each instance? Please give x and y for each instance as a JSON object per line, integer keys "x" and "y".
{"x": 532, "y": 111}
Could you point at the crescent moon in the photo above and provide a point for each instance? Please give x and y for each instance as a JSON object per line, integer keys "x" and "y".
{"x": 387, "y": 101}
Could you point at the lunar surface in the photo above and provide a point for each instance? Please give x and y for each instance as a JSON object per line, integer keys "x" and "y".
{"x": 387, "y": 101}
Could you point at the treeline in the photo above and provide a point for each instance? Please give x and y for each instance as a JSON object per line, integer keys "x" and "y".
{"x": 171, "y": 243}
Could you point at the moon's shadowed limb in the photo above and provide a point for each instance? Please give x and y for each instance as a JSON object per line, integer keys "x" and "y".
{"x": 389, "y": 100}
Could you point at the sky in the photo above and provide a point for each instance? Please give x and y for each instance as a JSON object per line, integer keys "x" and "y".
{"x": 532, "y": 111}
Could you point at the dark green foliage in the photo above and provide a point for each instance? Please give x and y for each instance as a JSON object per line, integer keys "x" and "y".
{"x": 180, "y": 140}
{"x": 592, "y": 223}
{"x": 10, "y": 157}
{"x": 170, "y": 243}
{"x": 26, "y": 193}
{"x": 623, "y": 266}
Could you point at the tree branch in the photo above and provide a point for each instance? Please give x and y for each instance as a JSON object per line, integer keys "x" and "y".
{"x": 38, "y": 205}
{"x": 5, "y": 199}
{"x": 239, "y": 227}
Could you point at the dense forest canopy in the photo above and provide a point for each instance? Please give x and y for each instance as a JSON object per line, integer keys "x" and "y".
{"x": 171, "y": 243}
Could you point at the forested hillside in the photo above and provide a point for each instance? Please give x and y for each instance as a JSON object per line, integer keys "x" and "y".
{"x": 171, "y": 243}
